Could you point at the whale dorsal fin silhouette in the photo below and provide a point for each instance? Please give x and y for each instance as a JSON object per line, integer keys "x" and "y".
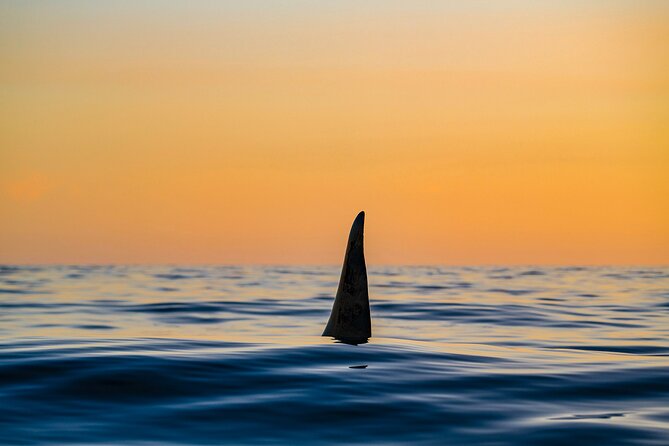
{"x": 350, "y": 319}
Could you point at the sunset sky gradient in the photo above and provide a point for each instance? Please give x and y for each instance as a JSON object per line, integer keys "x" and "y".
{"x": 516, "y": 132}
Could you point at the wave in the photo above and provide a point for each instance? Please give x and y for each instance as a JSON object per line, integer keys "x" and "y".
{"x": 232, "y": 355}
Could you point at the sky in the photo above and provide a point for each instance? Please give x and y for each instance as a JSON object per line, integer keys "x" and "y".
{"x": 200, "y": 132}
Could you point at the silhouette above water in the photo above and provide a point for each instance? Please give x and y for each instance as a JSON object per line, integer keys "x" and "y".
{"x": 350, "y": 319}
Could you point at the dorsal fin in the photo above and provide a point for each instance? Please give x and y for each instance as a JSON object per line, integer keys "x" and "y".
{"x": 350, "y": 319}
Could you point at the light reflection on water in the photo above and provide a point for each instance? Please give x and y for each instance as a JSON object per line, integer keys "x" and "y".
{"x": 233, "y": 354}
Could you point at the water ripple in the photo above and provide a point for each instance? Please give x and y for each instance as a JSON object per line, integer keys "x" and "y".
{"x": 232, "y": 355}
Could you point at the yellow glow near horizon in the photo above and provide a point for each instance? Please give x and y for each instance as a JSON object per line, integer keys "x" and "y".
{"x": 246, "y": 134}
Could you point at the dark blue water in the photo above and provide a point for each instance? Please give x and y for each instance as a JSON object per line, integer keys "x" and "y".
{"x": 213, "y": 355}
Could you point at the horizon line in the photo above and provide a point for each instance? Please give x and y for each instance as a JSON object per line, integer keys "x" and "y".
{"x": 416, "y": 265}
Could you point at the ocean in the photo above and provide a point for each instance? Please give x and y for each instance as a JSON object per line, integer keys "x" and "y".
{"x": 233, "y": 355}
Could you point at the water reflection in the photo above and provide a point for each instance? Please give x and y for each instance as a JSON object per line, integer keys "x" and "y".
{"x": 351, "y": 341}
{"x": 234, "y": 354}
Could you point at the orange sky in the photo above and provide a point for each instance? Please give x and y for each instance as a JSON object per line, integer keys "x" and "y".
{"x": 191, "y": 132}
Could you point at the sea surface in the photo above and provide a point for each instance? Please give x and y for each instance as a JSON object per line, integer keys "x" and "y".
{"x": 233, "y": 355}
